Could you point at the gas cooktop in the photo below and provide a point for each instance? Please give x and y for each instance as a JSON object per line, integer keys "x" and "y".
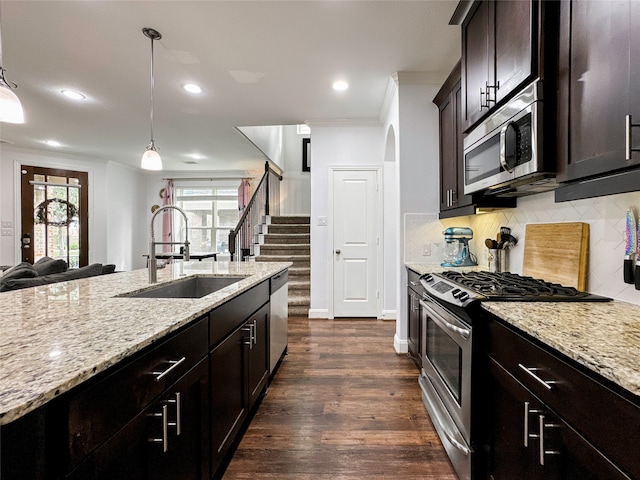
{"x": 464, "y": 288}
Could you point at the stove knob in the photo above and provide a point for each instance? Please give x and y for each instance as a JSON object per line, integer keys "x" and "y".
{"x": 428, "y": 277}
{"x": 455, "y": 292}
{"x": 463, "y": 296}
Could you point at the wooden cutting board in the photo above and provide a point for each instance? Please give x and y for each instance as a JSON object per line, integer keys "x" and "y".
{"x": 557, "y": 252}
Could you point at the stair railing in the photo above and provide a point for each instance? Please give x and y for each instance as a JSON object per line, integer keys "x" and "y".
{"x": 264, "y": 201}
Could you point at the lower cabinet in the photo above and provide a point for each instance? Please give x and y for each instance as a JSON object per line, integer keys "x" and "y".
{"x": 529, "y": 441}
{"x": 239, "y": 369}
{"x": 414, "y": 331}
{"x": 549, "y": 419}
{"x": 164, "y": 441}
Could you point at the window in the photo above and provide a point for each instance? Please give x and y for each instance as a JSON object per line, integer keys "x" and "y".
{"x": 211, "y": 213}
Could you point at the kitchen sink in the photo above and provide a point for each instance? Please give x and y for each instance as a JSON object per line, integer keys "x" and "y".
{"x": 192, "y": 287}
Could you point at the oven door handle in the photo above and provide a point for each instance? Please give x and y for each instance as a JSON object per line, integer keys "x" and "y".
{"x": 442, "y": 323}
{"x": 444, "y": 420}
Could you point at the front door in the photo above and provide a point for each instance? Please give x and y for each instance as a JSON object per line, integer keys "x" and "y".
{"x": 355, "y": 215}
{"x": 54, "y": 215}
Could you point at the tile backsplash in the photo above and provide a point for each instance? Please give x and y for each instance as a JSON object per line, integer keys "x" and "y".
{"x": 605, "y": 216}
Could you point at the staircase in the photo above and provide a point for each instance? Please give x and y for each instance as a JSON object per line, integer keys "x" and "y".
{"x": 287, "y": 239}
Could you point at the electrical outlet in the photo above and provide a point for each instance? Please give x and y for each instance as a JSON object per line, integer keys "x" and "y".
{"x": 426, "y": 250}
{"x": 7, "y": 232}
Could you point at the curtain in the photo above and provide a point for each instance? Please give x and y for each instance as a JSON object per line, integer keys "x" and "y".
{"x": 244, "y": 194}
{"x": 167, "y": 217}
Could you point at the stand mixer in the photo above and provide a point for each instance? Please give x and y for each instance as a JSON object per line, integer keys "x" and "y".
{"x": 456, "y": 248}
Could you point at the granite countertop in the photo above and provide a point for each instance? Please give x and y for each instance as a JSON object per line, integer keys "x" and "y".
{"x": 55, "y": 337}
{"x": 602, "y": 336}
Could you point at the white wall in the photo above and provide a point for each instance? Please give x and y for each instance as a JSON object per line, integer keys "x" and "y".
{"x": 414, "y": 120}
{"x": 126, "y": 237}
{"x": 295, "y": 188}
{"x": 268, "y": 139}
{"x": 334, "y": 145}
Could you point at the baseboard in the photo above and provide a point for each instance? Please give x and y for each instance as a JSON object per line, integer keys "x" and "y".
{"x": 318, "y": 313}
{"x": 401, "y": 346}
{"x": 389, "y": 315}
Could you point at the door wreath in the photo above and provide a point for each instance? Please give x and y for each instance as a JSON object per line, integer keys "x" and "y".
{"x": 56, "y": 212}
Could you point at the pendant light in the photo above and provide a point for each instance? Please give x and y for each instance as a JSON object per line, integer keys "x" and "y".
{"x": 10, "y": 107}
{"x": 151, "y": 158}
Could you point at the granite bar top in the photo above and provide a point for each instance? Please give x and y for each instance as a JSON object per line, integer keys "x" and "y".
{"x": 604, "y": 337}
{"x": 54, "y": 337}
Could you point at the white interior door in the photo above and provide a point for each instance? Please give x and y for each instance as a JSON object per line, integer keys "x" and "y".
{"x": 355, "y": 243}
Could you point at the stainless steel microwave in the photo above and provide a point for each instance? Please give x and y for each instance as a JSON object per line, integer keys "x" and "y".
{"x": 504, "y": 155}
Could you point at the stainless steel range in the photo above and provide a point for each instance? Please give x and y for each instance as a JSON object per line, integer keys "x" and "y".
{"x": 448, "y": 308}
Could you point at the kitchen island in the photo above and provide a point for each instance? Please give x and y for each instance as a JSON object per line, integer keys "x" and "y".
{"x": 61, "y": 340}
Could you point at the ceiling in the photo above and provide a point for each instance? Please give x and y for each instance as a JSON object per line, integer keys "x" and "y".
{"x": 258, "y": 62}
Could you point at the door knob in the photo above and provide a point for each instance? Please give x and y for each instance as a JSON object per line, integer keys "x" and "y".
{"x": 338, "y": 251}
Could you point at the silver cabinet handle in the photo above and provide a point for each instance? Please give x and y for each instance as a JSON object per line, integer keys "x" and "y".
{"x": 528, "y": 411}
{"x": 174, "y": 364}
{"x": 629, "y": 137}
{"x": 249, "y": 341}
{"x": 255, "y": 332}
{"x": 178, "y": 422}
{"x": 548, "y": 384}
{"x": 544, "y": 452}
{"x": 413, "y": 283}
{"x": 165, "y": 424}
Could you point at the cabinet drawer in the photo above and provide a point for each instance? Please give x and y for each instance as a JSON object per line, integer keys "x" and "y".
{"x": 230, "y": 315}
{"x": 98, "y": 411}
{"x": 605, "y": 418}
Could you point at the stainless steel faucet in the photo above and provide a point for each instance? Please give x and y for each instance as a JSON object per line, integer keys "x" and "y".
{"x": 153, "y": 268}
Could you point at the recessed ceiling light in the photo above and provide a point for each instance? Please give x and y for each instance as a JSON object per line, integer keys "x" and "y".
{"x": 192, "y": 88}
{"x": 53, "y": 143}
{"x": 73, "y": 95}
{"x": 340, "y": 85}
{"x": 196, "y": 156}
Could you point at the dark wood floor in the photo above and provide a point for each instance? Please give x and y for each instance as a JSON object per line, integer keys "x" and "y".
{"x": 343, "y": 405}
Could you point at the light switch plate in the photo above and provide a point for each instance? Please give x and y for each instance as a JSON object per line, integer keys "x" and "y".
{"x": 7, "y": 224}
{"x": 322, "y": 221}
{"x": 7, "y": 232}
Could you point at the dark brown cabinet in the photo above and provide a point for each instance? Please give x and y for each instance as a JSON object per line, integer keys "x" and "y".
{"x": 258, "y": 354}
{"x": 453, "y": 201}
{"x": 414, "y": 330}
{"x": 448, "y": 101}
{"x": 499, "y": 54}
{"x": 239, "y": 373}
{"x": 505, "y": 45}
{"x": 599, "y": 86}
{"x": 164, "y": 441}
{"x": 549, "y": 420}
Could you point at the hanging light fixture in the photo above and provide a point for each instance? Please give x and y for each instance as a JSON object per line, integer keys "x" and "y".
{"x": 151, "y": 158}
{"x": 10, "y": 107}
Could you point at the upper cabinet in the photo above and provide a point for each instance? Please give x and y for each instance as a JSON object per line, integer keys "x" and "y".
{"x": 453, "y": 201}
{"x": 599, "y": 98}
{"x": 501, "y": 51}
{"x": 451, "y": 165}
